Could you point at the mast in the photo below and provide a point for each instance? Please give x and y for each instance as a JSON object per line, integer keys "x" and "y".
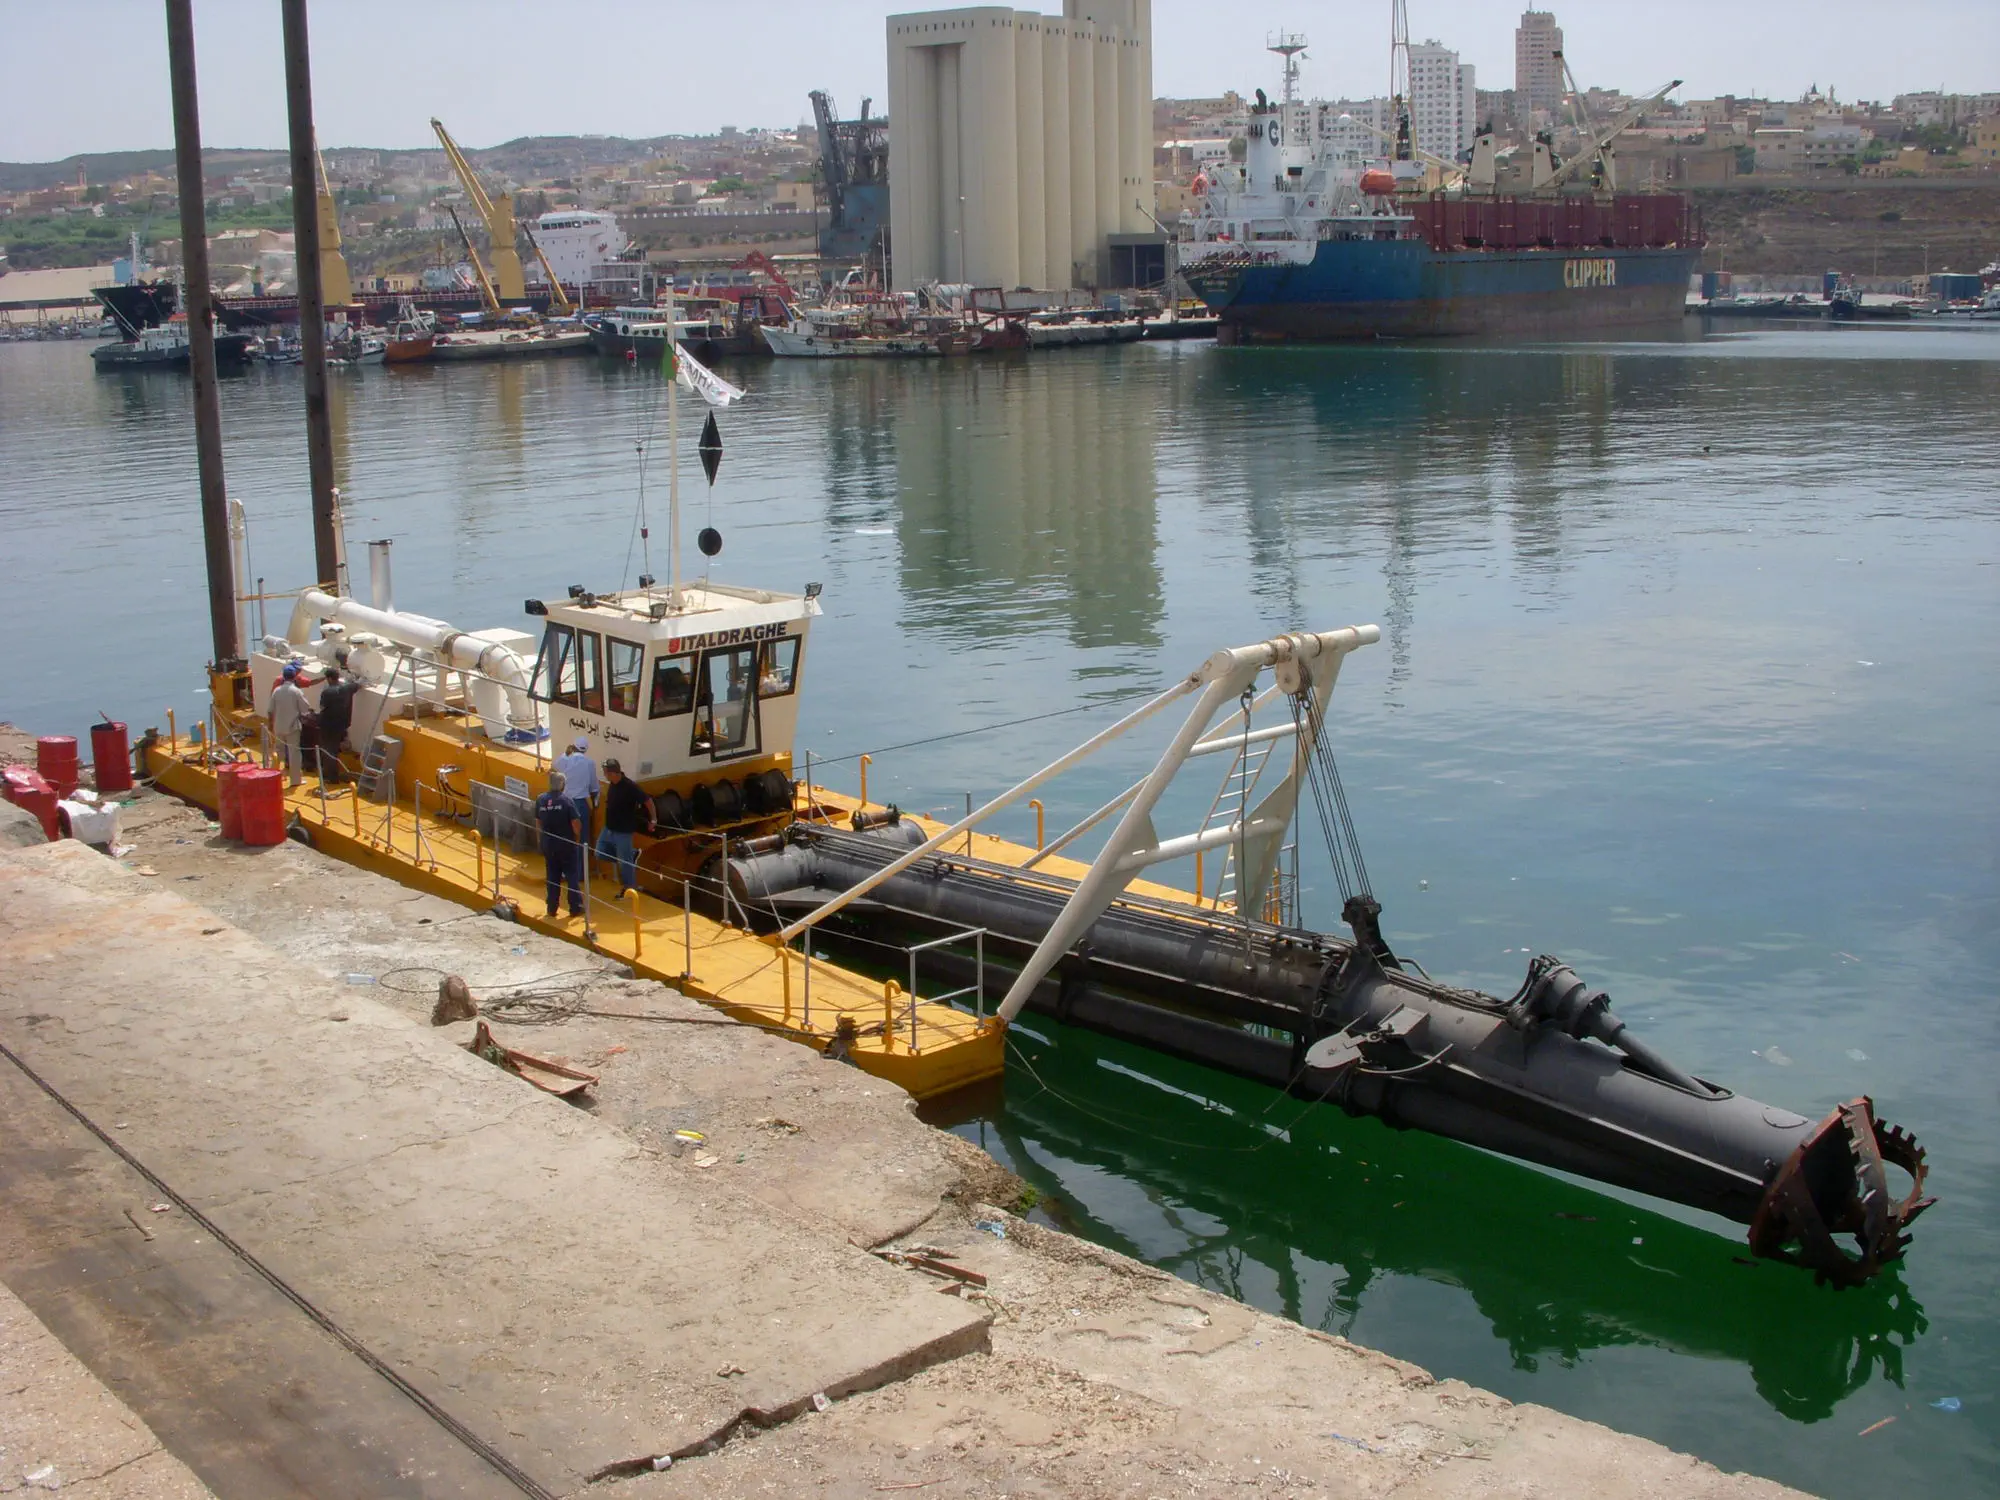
{"x": 312, "y": 295}
{"x": 1399, "y": 78}
{"x": 228, "y": 639}
{"x": 673, "y": 447}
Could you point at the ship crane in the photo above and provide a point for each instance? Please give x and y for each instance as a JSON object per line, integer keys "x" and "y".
{"x": 1600, "y": 149}
{"x": 498, "y": 212}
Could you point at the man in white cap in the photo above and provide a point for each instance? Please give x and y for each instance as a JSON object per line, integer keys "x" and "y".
{"x": 289, "y": 707}
{"x": 579, "y": 774}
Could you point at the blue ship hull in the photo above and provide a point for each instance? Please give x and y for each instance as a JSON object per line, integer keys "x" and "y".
{"x": 1357, "y": 289}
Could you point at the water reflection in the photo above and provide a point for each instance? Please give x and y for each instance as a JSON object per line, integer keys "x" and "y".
{"x": 1026, "y": 500}
{"x": 1295, "y": 1207}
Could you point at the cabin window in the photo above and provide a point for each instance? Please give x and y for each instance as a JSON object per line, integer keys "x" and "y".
{"x": 725, "y": 707}
{"x": 627, "y": 665}
{"x": 673, "y": 686}
{"x": 778, "y": 668}
{"x": 555, "y": 668}
{"x": 589, "y": 672}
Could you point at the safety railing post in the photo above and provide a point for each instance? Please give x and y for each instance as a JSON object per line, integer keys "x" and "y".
{"x": 968, "y": 832}
{"x": 785, "y": 968}
{"x": 638, "y": 928}
{"x": 890, "y": 991}
{"x": 866, "y": 762}
{"x": 687, "y": 931}
{"x": 809, "y": 979}
{"x": 173, "y": 735}
{"x": 979, "y": 974}
{"x": 1036, "y": 804}
{"x": 479, "y": 857}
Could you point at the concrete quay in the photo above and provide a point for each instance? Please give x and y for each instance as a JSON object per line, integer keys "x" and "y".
{"x": 432, "y": 1279}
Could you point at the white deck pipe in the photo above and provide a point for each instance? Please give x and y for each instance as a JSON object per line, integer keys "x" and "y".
{"x": 490, "y": 659}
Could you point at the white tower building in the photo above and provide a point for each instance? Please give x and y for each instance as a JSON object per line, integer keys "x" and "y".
{"x": 1538, "y": 80}
{"x": 1018, "y": 142}
{"x": 1443, "y": 101}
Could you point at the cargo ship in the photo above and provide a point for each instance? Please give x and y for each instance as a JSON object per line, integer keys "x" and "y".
{"x": 1310, "y": 242}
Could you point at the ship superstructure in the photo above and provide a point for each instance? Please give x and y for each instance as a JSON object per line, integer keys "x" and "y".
{"x": 578, "y": 241}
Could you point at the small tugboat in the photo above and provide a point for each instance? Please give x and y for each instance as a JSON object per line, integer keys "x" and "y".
{"x": 152, "y": 334}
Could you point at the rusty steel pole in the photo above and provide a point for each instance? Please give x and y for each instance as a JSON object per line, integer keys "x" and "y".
{"x": 222, "y": 619}
{"x": 312, "y": 297}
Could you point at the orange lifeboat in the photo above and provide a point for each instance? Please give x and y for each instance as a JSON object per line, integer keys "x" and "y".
{"x": 1376, "y": 183}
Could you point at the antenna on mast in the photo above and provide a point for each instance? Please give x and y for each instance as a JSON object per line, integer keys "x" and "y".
{"x": 1291, "y": 46}
{"x": 1399, "y": 77}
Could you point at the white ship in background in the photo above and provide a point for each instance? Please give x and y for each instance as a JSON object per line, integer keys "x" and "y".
{"x": 578, "y": 241}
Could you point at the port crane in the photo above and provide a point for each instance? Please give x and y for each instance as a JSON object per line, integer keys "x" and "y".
{"x": 498, "y": 212}
{"x": 336, "y": 286}
{"x": 486, "y": 293}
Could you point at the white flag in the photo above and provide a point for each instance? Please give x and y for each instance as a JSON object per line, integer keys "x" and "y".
{"x": 704, "y": 382}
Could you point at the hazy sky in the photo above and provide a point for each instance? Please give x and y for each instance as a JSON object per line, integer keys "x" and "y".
{"x": 91, "y": 75}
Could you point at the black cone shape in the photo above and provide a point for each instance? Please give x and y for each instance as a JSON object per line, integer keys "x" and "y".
{"x": 711, "y": 448}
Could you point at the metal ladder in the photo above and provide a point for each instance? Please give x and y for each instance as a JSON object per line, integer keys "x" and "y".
{"x": 1232, "y": 805}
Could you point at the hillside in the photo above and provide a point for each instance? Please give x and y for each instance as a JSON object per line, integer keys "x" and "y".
{"x": 1868, "y": 229}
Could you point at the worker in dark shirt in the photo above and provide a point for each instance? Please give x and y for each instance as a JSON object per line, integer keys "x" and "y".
{"x": 628, "y": 811}
{"x": 562, "y": 846}
{"x": 336, "y": 710}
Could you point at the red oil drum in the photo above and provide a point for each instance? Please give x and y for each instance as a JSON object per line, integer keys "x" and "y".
{"x": 111, "y": 756}
{"x": 261, "y": 794}
{"x": 229, "y": 798}
{"x": 55, "y": 758}
{"x": 28, "y": 789}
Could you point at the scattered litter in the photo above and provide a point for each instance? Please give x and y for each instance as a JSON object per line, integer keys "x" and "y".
{"x": 339, "y": 1015}
{"x": 1638, "y": 1239}
{"x": 210, "y": 931}
{"x": 1860, "y": 663}
{"x": 517, "y": 949}
{"x": 820, "y": 1403}
{"x": 1423, "y": 885}
{"x": 144, "y": 1232}
{"x": 705, "y": 1161}
{"x": 146, "y": 870}
{"x": 162, "y": 1208}
{"x": 1875, "y": 1427}
{"x": 778, "y": 1125}
{"x": 1857, "y": 1054}
{"x": 1947, "y": 1403}
{"x": 728, "y": 1370}
{"x": 993, "y": 1227}
{"x": 45, "y": 1472}
{"x": 360, "y": 978}
{"x": 119, "y": 851}
{"x": 1352, "y": 1442}
{"x": 614, "y": 1051}
{"x": 692, "y": 1137}
{"x": 664, "y": 1461}
{"x": 1775, "y": 1056}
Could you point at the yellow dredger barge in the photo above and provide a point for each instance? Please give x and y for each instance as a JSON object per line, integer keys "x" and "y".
{"x": 695, "y": 691}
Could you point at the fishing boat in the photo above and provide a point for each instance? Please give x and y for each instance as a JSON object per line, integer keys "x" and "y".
{"x": 1063, "y": 330}
{"x": 411, "y": 337}
{"x": 879, "y": 328}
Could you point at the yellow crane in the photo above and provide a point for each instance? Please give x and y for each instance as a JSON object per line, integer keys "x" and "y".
{"x": 498, "y": 212}
{"x": 335, "y": 287}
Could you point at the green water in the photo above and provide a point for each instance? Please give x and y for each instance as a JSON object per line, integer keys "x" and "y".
{"x": 1690, "y": 674}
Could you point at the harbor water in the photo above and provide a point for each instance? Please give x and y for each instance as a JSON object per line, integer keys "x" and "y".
{"x": 1690, "y": 674}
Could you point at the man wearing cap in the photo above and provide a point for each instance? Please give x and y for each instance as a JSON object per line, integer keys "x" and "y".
{"x": 579, "y": 774}
{"x": 628, "y": 811}
{"x": 288, "y": 716}
{"x": 562, "y": 845}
